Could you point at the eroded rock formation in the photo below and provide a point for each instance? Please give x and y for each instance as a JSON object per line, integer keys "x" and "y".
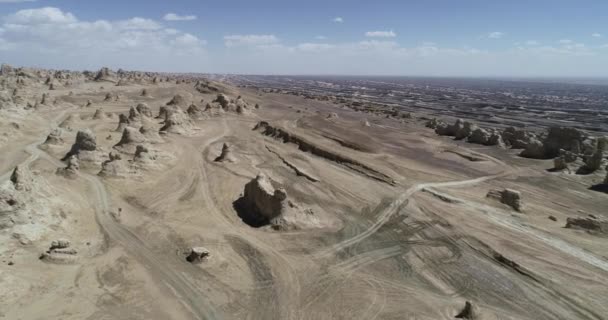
{"x": 226, "y": 155}
{"x": 85, "y": 141}
{"x": 198, "y": 255}
{"x": 509, "y": 197}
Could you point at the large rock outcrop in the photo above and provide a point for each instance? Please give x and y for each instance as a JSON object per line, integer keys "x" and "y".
{"x": 178, "y": 100}
{"x": 85, "y": 141}
{"x": 142, "y": 155}
{"x": 534, "y": 148}
{"x": 590, "y": 224}
{"x": 72, "y": 168}
{"x": 131, "y": 137}
{"x": 262, "y": 205}
{"x": 198, "y": 255}
{"x": 123, "y": 122}
{"x": 105, "y": 74}
{"x": 468, "y": 312}
{"x": 144, "y": 110}
{"x": 465, "y": 131}
{"x": 99, "y": 115}
{"x": 593, "y": 162}
{"x": 510, "y": 197}
{"x": 22, "y": 178}
{"x": 223, "y": 100}
{"x": 444, "y": 129}
{"x": 226, "y": 155}
{"x": 54, "y": 137}
{"x": 566, "y": 138}
{"x": 195, "y": 112}
{"x": 178, "y": 122}
{"x": 264, "y": 201}
{"x": 114, "y": 167}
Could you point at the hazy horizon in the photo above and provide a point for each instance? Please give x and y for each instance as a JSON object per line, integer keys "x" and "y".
{"x": 470, "y": 39}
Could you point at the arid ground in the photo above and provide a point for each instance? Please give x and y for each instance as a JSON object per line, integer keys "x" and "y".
{"x": 383, "y": 219}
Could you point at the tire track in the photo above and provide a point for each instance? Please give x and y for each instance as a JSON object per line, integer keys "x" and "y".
{"x": 396, "y": 205}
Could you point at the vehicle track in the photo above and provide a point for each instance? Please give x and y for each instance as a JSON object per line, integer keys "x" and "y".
{"x": 170, "y": 273}
{"x": 396, "y": 205}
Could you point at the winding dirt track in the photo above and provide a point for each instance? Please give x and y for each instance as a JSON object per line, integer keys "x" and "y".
{"x": 396, "y": 205}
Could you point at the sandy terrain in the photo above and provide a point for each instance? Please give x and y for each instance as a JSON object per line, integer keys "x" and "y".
{"x": 390, "y": 220}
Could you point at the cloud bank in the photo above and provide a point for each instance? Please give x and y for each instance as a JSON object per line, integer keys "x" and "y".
{"x": 59, "y": 38}
{"x": 175, "y": 17}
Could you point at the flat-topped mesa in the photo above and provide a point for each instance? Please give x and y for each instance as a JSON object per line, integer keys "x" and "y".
{"x": 85, "y": 141}
{"x": 509, "y": 197}
{"x": 226, "y": 155}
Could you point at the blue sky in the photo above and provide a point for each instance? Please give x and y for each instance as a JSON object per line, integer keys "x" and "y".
{"x": 431, "y": 38}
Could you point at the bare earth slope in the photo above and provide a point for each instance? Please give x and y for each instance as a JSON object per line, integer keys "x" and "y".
{"x": 352, "y": 217}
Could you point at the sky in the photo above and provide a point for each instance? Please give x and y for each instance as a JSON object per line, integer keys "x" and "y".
{"x": 465, "y": 38}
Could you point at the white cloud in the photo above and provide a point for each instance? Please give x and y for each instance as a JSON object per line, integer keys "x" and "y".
{"x": 496, "y": 35}
{"x": 320, "y": 37}
{"x": 596, "y": 35}
{"x": 138, "y": 24}
{"x": 60, "y": 39}
{"x": 188, "y": 40}
{"x": 41, "y": 16}
{"x": 175, "y": 17}
{"x": 314, "y": 47}
{"x": 250, "y": 40}
{"x": 565, "y": 41}
{"x": 381, "y": 34}
{"x": 532, "y": 43}
{"x": 338, "y": 20}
